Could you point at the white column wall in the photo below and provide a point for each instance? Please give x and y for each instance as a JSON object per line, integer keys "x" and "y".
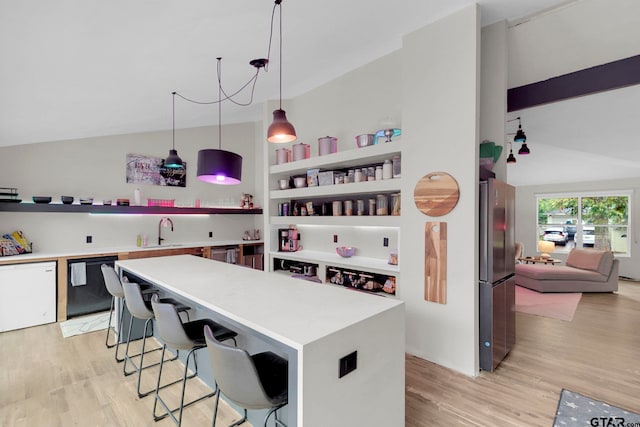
{"x": 493, "y": 92}
{"x": 440, "y": 110}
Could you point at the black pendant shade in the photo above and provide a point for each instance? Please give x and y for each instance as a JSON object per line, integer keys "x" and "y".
{"x": 524, "y": 150}
{"x": 219, "y": 167}
{"x": 520, "y": 136}
{"x": 511, "y": 158}
{"x": 173, "y": 161}
{"x": 281, "y": 130}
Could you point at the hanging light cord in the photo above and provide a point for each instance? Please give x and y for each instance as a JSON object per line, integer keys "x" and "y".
{"x": 220, "y": 104}
{"x": 277, "y": 3}
{"x": 173, "y": 136}
{"x": 253, "y": 80}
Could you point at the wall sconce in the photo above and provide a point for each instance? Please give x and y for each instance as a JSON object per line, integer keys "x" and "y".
{"x": 280, "y": 130}
{"x": 546, "y": 248}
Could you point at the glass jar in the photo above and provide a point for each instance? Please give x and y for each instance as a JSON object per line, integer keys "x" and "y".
{"x": 395, "y": 160}
{"x": 372, "y": 206}
{"x": 382, "y": 205}
{"x": 378, "y": 173}
{"x": 348, "y": 207}
{"x": 371, "y": 174}
{"x": 387, "y": 169}
{"x": 395, "y": 204}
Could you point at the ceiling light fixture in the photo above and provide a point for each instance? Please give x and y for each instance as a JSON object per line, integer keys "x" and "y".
{"x": 173, "y": 161}
{"x": 280, "y": 130}
{"x": 520, "y": 136}
{"x": 219, "y": 166}
{"x": 524, "y": 150}
{"x": 511, "y": 158}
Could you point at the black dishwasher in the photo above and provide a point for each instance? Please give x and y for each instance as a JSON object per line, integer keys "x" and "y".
{"x": 86, "y": 291}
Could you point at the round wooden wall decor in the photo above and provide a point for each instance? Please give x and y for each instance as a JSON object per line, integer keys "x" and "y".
{"x": 436, "y": 194}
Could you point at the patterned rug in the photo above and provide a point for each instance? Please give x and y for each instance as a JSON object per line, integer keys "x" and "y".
{"x": 560, "y": 306}
{"x": 575, "y": 409}
{"x": 84, "y": 324}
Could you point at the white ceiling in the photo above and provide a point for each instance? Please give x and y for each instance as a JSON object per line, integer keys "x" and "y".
{"x": 73, "y": 69}
{"x": 80, "y": 68}
{"x": 589, "y": 138}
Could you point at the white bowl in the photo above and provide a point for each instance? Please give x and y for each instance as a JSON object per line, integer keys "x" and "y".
{"x": 300, "y": 181}
{"x": 283, "y": 184}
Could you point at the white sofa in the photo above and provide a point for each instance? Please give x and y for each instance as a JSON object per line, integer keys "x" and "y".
{"x": 586, "y": 270}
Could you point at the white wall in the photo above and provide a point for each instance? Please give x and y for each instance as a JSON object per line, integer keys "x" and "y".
{"x": 493, "y": 91}
{"x": 580, "y": 35}
{"x": 95, "y": 167}
{"x": 430, "y": 89}
{"x": 526, "y": 213}
{"x": 440, "y": 117}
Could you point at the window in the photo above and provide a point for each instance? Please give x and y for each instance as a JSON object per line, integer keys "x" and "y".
{"x": 599, "y": 221}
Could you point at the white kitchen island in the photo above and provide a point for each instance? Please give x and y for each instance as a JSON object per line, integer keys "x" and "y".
{"x": 311, "y": 324}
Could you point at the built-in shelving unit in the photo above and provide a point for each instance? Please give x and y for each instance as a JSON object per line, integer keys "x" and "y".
{"x": 101, "y": 209}
{"x": 340, "y": 161}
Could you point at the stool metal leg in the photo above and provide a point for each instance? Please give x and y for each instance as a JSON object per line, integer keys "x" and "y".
{"x": 138, "y": 369}
{"x": 106, "y": 341}
{"x": 185, "y": 377}
{"x": 119, "y": 334}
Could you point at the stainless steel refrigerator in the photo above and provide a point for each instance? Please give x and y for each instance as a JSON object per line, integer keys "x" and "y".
{"x": 497, "y": 268}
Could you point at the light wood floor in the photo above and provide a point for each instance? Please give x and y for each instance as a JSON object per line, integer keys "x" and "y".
{"x": 49, "y": 381}
{"x": 597, "y": 354}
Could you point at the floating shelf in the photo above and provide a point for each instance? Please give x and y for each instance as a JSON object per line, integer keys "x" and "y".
{"x": 140, "y": 210}
{"x": 355, "y": 221}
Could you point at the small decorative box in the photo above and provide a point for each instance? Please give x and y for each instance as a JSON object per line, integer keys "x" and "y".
{"x": 325, "y": 178}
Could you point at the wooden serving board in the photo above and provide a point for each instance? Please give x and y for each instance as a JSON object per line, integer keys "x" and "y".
{"x": 435, "y": 262}
{"x": 436, "y": 194}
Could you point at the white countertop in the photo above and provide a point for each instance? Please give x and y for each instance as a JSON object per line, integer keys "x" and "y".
{"x": 35, "y": 256}
{"x": 291, "y": 311}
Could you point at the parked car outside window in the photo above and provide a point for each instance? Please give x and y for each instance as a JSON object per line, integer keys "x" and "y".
{"x": 556, "y": 235}
{"x": 588, "y": 236}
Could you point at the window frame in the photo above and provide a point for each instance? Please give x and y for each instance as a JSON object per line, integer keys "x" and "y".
{"x": 579, "y": 226}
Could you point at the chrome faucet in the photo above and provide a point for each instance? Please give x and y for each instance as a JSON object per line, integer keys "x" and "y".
{"x": 164, "y": 221}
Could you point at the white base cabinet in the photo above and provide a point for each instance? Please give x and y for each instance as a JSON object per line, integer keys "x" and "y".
{"x": 27, "y": 295}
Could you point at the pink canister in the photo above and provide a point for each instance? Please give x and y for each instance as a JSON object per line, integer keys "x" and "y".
{"x": 327, "y": 145}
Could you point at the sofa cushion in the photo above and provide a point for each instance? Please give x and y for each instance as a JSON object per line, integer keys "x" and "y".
{"x": 591, "y": 259}
{"x": 560, "y": 272}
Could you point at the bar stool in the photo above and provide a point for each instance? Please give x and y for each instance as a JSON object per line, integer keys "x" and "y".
{"x": 141, "y": 309}
{"x": 114, "y": 286}
{"x": 252, "y": 382}
{"x": 182, "y": 336}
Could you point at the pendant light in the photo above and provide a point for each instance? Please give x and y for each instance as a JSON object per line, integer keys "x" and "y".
{"x": 219, "y": 166}
{"x": 524, "y": 150}
{"x": 280, "y": 130}
{"x": 520, "y": 136}
{"x": 511, "y": 158}
{"x": 173, "y": 161}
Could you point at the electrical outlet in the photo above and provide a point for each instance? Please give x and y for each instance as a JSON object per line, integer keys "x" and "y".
{"x": 211, "y": 234}
{"x": 348, "y": 364}
{"x": 89, "y": 239}
{"x": 385, "y": 242}
{"x": 335, "y": 238}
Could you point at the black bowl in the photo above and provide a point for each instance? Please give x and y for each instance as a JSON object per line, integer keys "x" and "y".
{"x": 41, "y": 199}
{"x": 67, "y": 200}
